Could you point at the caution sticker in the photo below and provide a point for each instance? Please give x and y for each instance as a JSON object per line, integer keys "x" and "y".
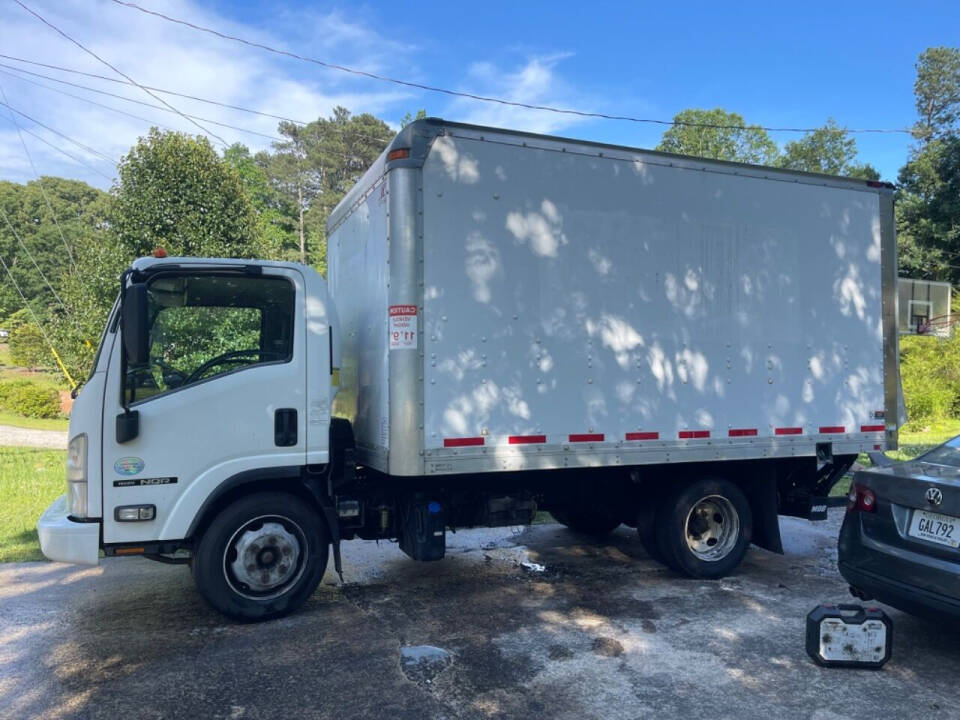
{"x": 403, "y": 327}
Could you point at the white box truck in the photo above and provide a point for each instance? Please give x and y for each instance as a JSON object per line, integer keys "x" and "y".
{"x": 511, "y": 323}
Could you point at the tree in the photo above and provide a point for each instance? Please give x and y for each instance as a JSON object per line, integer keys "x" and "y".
{"x": 317, "y": 164}
{"x": 937, "y": 92}
{"x": 276, "y": 214}
{"x": 928, "y": 197}
{"x": 829, "y": 149}
{"x": 28, "y": 348}
{"x": 720, "y": 135}
{"x": 174, "y": 191}
{"x": 408, "y": 118}
{"x": 80, "y": 213}
{"x": 928, "y": 211}
{"x": 292, "y": 178}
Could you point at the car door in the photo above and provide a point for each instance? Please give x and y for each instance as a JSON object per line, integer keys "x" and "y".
{"x": 222, "y": 395}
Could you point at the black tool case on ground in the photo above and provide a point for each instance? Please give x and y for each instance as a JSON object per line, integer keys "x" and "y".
{"x": 849, "y": 636}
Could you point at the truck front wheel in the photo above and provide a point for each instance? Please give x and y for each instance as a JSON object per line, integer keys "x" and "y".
{"x": 261, "y": 557}
{"x": 703, "y": 529}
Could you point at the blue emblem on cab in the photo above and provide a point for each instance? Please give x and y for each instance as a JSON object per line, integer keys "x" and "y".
{"x": 128, "y": 466}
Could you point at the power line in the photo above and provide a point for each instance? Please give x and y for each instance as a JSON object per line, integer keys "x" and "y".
{"x": 158, "y": 107}
{"x": 121, "y": 97}
{"x": 217, "y": 103}
{"x": 56, "y": 296}
{"x": 149, "y": 87}
{"x": 468, "y": 95}
{"x": 43, "y": 192}
{"x": 57, "y": 132}
{"x": 118, "y": 72}
{"x": 64, "y": 152}
{"x": 87, "y": 100}
{"x": 36, "y": 320}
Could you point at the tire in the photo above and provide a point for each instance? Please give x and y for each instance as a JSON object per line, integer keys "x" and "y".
{"x": 703, "y": 529}
{"x": 286, "y": 545}
{"x": 589, "y": 521}
{"x": 646, "y": 529}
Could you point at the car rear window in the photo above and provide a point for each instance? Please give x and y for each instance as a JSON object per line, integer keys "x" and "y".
{"x": 946, "y": 454}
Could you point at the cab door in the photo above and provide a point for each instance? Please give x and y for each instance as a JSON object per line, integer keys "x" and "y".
{"x": 221, "y": 398}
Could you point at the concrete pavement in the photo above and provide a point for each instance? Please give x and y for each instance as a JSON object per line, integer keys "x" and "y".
{"x": 538, "y": 622}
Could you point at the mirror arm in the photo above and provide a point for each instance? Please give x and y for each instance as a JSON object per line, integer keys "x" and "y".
{"x": 128, "y": 422}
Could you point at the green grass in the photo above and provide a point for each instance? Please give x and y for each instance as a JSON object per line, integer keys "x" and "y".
{"x": 914, "y": 441}
{"x": 30, "y": 479}
{"x": 40, "y": 377}
{"x": 9, "y": 418}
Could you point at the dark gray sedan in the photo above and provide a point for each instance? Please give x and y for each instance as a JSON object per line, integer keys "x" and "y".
{"x": 900, "y": 540}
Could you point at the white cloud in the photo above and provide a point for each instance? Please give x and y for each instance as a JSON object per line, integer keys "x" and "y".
{"x": 158, "y": 53}
{"x": 535, "y": 82}
{"x": 155, "y": 52}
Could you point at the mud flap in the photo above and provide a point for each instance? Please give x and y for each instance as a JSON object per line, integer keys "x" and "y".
{"x": 762, "y": 494}
{"x": 333, "y": 523}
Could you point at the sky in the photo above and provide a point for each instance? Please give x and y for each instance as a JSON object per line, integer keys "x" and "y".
{"x": 777, "y": 64}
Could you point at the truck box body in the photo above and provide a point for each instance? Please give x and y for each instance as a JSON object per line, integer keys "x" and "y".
{"x": 517, "y": 302}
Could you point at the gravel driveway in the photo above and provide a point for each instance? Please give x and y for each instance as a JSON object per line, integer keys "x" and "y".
{"x": 27, "y": 437}
{"x": 532, "y": 623}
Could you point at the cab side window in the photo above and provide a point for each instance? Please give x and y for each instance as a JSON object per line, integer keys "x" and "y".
{"x": 206, "y": 325}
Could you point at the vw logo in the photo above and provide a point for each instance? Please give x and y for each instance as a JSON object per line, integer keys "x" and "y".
{"x": 934, "y": 496}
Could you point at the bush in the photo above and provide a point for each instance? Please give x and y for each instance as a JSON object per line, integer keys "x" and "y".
{"x": 29, "y": 399}
{"x": 930, "y": 372}
{"x": 28, "y": 348}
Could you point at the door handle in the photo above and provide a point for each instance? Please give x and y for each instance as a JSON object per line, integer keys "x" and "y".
{"x": 285, "y": 427}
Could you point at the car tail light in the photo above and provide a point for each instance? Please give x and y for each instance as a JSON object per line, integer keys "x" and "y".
{"x": 861, "y": 499}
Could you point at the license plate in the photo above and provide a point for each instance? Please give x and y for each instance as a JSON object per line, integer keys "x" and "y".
{"x": 937, "y": 528}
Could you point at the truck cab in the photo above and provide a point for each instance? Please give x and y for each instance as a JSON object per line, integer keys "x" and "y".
{"x": 213, "y": 380}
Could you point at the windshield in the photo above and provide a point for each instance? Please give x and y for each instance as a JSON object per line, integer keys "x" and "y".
{"x": 946, "y": 454}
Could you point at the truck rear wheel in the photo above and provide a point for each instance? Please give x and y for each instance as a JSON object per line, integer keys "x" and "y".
{"x": 588, "y": 520}
{"x": 261, "y": 557}
{"x": 703, "y": 530}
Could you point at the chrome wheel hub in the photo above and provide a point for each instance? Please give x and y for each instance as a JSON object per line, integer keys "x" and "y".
{"x": 266, "y": 556}
{"x": 712, "y": 528}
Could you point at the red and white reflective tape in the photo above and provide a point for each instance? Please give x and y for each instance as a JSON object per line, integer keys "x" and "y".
{"x": 641, "y": 435}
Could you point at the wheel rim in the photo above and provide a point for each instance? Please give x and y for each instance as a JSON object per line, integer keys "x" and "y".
{"x": 265, "y": 557}
{"x": 712, "y": 528}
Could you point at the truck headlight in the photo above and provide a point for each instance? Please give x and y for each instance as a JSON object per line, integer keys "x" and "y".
{"x": 77, "y": 476}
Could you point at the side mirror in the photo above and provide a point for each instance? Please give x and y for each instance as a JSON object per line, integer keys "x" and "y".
{"x": 134, "y": 328}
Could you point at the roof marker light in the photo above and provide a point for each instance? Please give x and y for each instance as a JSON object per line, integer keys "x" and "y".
{"x": 398, "y": 154}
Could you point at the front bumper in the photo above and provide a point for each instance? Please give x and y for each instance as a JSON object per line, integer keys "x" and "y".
{"x": 64, "y": 540}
